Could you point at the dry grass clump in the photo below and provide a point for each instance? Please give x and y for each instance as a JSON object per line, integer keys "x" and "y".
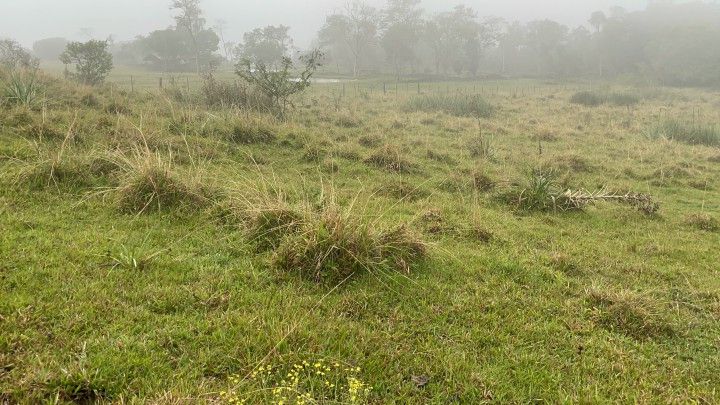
{"x": 52, "y": 170}
{"x": 629, "y": 314}
{"x": 347, "y": 121}
{"x": 402, "y": 190}
{"x": 440, "y": 157}
{"x": 322, "y": 241}
{"x": 149, "y": 182}
{"x": 390, "y": 158}
{"x": 251, "y": 131}
{"x": 482, "y": 181}
{"x": 333, "y": 245}
{"x": 314, "y": 153}
{"x": 481, "y": 146}
{"x": 369, "y": 141}
{"x": 703, "y": 222}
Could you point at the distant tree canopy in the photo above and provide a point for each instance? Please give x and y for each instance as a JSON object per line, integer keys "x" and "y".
{"x": 189, "y": 46}
{"x": 14, "y": 56}
{"x": 173, "y": 50}
{"x": 672, "y": 43}
{"x": 268, "y": 45}
{"x": 49, "y": 48}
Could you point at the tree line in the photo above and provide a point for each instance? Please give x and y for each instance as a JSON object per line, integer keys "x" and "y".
{"x": 671, "y": 43}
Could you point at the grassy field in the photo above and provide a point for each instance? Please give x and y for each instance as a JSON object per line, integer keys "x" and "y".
{"x": 375, "y": 248}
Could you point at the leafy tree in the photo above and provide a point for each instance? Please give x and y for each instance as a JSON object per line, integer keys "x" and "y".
{"x": 13, "y": 56}
{"x": 278, "y": 84}
{"x": 268, "y": 45}
{"x": 92, "y": 61}
{"x": 49, "y": 48}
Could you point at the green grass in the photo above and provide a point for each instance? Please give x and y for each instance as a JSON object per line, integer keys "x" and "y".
{"x": 688, "y": 132}
{"x": 107, "y": 299}
{"x": 459, "y": 105}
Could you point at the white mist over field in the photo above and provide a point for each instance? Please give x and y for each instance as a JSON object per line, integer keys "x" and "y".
{"x": 30, "y": 20}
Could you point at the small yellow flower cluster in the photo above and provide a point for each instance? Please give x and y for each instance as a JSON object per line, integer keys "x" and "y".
{"x": 357, "y": 390}
{"x": 303, "y": 383}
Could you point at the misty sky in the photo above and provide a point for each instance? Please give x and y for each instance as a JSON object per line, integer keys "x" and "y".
{"x": 29, "y": 20}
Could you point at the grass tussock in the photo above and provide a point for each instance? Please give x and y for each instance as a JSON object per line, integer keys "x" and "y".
{"x": 251, "y": 131}
{"x": 148, "y": 181}
{"x": 323, "y": 242}
{"x": 333, "y": 245}
{"x": 629, "y": 314}
{"x": 390, "y": 158}
{"x": 687, "y": 132}
{"x": 458, "y": 105}
{"x": 703, "y": 222}
{"x": 595, "y": 99}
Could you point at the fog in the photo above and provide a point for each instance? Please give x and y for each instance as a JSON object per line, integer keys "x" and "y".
{"x": 30, "y": 20}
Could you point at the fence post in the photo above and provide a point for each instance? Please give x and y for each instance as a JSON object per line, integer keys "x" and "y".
{"x": 132, "y": 85}
{"x": 418, "y": 87}
{"x": 384, "y": 88}
{"x": 187, "y": 81}
{"x": 160, "y": 82}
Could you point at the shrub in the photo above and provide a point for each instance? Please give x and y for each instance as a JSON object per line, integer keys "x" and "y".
{"x": 587, "y": 98}
{"x": 278, "y": 83}
{"x": 459, "y": 105}
{"x": 692, "y": 133}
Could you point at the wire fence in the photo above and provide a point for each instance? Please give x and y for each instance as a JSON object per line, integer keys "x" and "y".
{"x": 363, "y": 88}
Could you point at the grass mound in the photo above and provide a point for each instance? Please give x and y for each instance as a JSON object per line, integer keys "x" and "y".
{"x": 458, "y": 105}
{"x": 334, "y": 245}
{"x": 626, "y": 313}
{"x": 390, "y": 158}
{"x": 252, "y": 131}
{"x": 148, "y": 182}
{"x": 704, "y": 222}
{"x": 692, "y": 133}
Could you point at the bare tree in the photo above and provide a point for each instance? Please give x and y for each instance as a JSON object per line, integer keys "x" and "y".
{"x": 191, "y": 19}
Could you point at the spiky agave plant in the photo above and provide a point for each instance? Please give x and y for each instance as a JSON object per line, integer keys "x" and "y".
{"x": 22, "y": 89}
